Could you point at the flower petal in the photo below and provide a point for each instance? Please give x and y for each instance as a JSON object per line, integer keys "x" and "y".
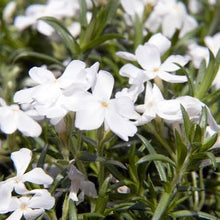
{"x": 41, "y": 199}
{"x": 148, "y": 56}
{"x": 21, "y": 160}
{"x": 125, "y": 107}
{"x": 38, "y": 176}
{"x": 73, "y": 68}
{"x": 8, "y": 119}
{"x": 24, "y": 95}
{"x": 126, "y": 55}
{"x": 28, "y": 126}
{"x": 5, "y": 196}
{"x": 122, "y": 127}
{"x": 168, "y": 77}
{"x": 88, "y": 188}
{"x": 16, "y": 215}
{"x": 41, "y": 75}
{"x": 31, "y": 214}
{"x": 85, "y": 119}
{"x": 169, "y": 64}
{"x": 135, "y": 74}
{"x": 104, "y": 86}
{"x": 161, "y": 42}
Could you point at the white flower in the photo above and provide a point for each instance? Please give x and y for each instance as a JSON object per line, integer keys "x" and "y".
{"x": 53, "y": 8}
{"x": 158, "y": 40}
{"x": 99, "y": 108}
{"x": 148, "y": 56}
{"x": 213, "y": 43}
{"x": 79, "y": 182}
{"x": 21, "y": 160}
{"x": 153, "y": 96}
{"x": 195, "y": 6}
{"x": 54, "y": 97}
{"x": 171, "y": 15}
{"x": 198, "y": 54}
{"x": 13, "y": 118}
{"x": 29, "y": 206}
{"x": 170, "y": 110}
{"x": 9, "y": 11}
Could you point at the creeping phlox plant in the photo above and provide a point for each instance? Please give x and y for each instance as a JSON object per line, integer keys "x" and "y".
{"x": 109, "y": 109}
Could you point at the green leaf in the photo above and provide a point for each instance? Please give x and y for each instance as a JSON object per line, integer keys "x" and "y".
{"x": 157, "y": 157}
{"x": 72, "y": 211}
{"x": 115, "y": 163}
{"x": 189, "y": 77}
{"x": 41, "y": 160}
{"x": 188, "y": 213}
{"x": 203, "y": 155}
{"x": 209, "y": 76}
{"x": 138, "y": 30}
{"x": 102, "y": 197}
{"x": 83, "y": 11}
{"x": 65, "y": 35}
{"x": 100, "y": 40}
{"x": 203, "y": 121}
{"x": 86, "y": 156}
{"x": 181, "y": 150}
{"x": 163, "y": 204}
{"x": 91, "y": 216}
{"x": 159, "y": 166}
{"x": 207, "y": 162}
{"x": 187, "y": 124}
{"x": 24, "y": 54}
{"x": 209, "y": 142}
{"x": 65, "y": 207}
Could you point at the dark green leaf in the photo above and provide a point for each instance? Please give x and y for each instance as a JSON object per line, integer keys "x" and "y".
{"x": 158, "y": 164}
{"x": 65, "y": 35}
{"x": 209, "y": 142}
{"x": 24, "y": 54}
{"x": 157, "y": 157}
{"x": 97, "y": 41}
{"x": 181, "y": 150}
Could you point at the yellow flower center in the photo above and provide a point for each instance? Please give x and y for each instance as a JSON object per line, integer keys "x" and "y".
{"x": 23, "y": 206}
{"x": 156, "y": 69}
{"x": 104, "y": 104}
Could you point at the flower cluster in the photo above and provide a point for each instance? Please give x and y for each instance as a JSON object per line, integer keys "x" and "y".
{"x": 27, "y": 203}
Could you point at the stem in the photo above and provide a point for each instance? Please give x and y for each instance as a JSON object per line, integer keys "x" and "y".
{"x": 170, "y": 192}
{"x": 202, "y": 194}
{"x": 162, "y": 140}
{"x": 196, "y": 194}
{"x": 100, "y": 150}
{"x": 52, "y": 215}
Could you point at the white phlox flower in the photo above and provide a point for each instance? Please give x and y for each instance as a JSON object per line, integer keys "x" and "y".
{"x": 54, "y": 97}
{"x": 99, "y": 107}
{"x": 195, "y": 6}
{"x": 153, "y": 96}
{"x": 158, "y": 40}
{"x": 29, "y": 206}
{"x": 213, "y": 43}
{"x": 53, "y": 8}
{"x": 8, "y": 11}
{"x": 79, "y": 182}
{"x": 170, "y": 110}
{"x": 197, "y": 54}
{"x": 21, "y": 160}
{"x": 149, "y": 58}
{"x": 171, "y": 15}
{"x": 12, "y": 118}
